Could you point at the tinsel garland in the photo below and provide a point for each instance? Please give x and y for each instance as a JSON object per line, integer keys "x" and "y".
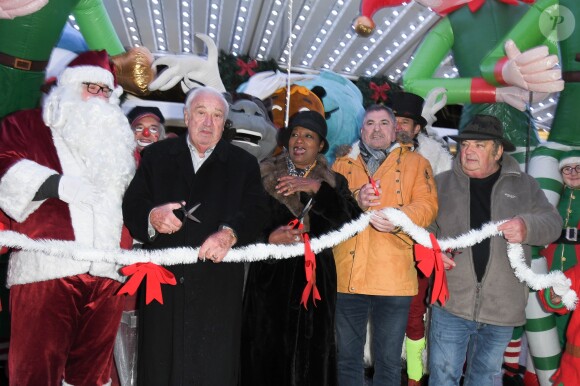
{"x": 258, "y": 252}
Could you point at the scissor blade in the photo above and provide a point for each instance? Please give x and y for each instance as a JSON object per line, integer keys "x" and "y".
{"x": 189, "y": 213}
{"x": 306, "y": 209}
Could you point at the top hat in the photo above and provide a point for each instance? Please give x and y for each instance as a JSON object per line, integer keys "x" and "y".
{"x": 484, "y": 127}
{"x": 310, "y": 120}
{"x": 407, "y": 105}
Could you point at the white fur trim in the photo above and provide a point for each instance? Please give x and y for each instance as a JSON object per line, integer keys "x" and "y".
{"x": 354, "y": 150}
{"x": 15, "y": 201}
{"x": 568, "y": 161}
{"x": 439, "y": 158}
{"x": 79, "y": 74}
{"x": 33, "y": 266}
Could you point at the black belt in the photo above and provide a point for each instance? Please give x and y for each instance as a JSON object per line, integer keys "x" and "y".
{"x": 22, "y": 64}
{"x": 571, "y": 76}
{"x": 569, "y": 236}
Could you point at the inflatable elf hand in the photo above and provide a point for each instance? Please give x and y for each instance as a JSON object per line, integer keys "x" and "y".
{"x": 533, "y": 70}
{"x": 518, "y": 97}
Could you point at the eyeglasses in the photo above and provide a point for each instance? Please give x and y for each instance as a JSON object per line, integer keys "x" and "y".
{"x": 568, "y": 169}
{"x": 94, "y": 88}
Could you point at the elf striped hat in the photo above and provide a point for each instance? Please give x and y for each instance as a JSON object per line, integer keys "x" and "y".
{"x": 569, "y": 158}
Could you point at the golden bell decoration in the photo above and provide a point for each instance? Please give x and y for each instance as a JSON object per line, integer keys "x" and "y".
{"x": 133, "y": 70}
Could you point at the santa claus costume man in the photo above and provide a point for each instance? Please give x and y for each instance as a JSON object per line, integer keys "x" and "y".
{"x": 63, "y": 171}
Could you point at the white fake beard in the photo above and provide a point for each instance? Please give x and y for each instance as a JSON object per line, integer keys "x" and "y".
{"x": 99, "y": 136}
{"x": 100, "y": 139}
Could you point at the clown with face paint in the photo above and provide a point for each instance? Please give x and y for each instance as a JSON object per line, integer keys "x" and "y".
{"x": 147, "y": 124}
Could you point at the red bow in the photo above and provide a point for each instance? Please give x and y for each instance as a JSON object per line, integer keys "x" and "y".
{"x": 156, "y": 275}
{"x": 246, "y": 68}
{"x": 309, "y": 268}
{"x": 429, "y": 259}
{"x": 380, "y": 92}
{"x": 448, "y": 6}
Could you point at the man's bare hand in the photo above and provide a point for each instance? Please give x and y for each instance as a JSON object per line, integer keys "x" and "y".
{"x": 380, "y": 222}
{"x": 368, "y": 197}
{"x": 216, "y": 246}
{"x": 514, "y": 230}
{"x": 163, "y": 220}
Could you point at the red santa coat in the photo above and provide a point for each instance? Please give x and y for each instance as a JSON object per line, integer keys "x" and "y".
{"x": 29, "y": 154}
{"x": 568, "y": 373}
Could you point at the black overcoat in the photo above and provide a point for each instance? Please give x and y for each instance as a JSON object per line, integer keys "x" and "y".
{"x": 194, "y": 337}
{"x": 283, "y": 343}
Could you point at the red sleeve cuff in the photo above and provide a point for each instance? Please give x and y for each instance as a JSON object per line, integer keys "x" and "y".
{"x": 497, "y": 70}
{"x": 481, "y": 91}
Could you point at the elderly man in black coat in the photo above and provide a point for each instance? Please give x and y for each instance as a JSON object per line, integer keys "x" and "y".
{"x": 194, "y": 337}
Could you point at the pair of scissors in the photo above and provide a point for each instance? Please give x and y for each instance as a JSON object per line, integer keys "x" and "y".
{"x": 182, "y": 213}
{"x": 300, "y": 220}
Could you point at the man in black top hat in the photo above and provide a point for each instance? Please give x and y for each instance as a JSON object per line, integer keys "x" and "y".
{"x": 407, "y": 108}
{"x": 486, "y": 299}
{"x": 147, "y": 124}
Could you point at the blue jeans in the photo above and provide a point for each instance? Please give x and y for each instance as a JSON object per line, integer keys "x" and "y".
{"x": 388, "y": 320}
{"x": 453, "y": 340}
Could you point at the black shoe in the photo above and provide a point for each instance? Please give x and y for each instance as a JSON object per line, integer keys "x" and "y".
{"x": 514, "y": 380}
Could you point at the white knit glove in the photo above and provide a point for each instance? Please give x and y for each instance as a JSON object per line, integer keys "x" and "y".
{"x": 435, "y": 101}
{"x": 75, "y": 191}
{"x": 265, "y": 83}
{"x": 561, "y": 288}
{"x": 533, "y": 70}
{"x": 191, "y": 70}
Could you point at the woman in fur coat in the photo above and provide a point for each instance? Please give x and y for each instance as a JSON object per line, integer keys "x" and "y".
{"x": 288, "y": 327}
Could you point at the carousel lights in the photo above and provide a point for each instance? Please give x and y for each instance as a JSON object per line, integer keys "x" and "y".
{"x": 244, "y": 11}
{"x": 335, "y": 13}
{"x": 72, "y": 21}
{"x": 128, "y": 21}
{"x": 156, "y": 13}
{"x": 407, "y": 29}
{"x": 186, "y": 23}
{"x": 365, "y": 51}
{"x": 213, "y": 14}
{"x": 241, "y": 19}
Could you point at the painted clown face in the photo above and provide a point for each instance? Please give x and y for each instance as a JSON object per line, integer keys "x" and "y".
{"x": 147, "y": 130}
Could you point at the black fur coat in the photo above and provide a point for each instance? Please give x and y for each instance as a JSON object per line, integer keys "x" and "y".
{"x": 284, "y": 344}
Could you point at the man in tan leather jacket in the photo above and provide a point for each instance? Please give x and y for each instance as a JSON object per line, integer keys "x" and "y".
{"x": 376, "y": 269}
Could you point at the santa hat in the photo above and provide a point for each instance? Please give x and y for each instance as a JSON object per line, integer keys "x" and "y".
{"x": 89, "y": 66}
{"x": 569, "y": 158}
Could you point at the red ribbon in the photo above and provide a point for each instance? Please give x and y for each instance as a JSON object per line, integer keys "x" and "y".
{"x": 156, "y": 275}
{"x": 309, "y": 268}
{"x": 429, "y": 259}
{"x": 380, "y": 92}
{"x": 246, "y": 67}
{"x": 449, "y": 6}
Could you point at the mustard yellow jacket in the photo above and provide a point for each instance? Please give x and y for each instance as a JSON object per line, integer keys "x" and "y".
{"x": 378, "y": 263}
